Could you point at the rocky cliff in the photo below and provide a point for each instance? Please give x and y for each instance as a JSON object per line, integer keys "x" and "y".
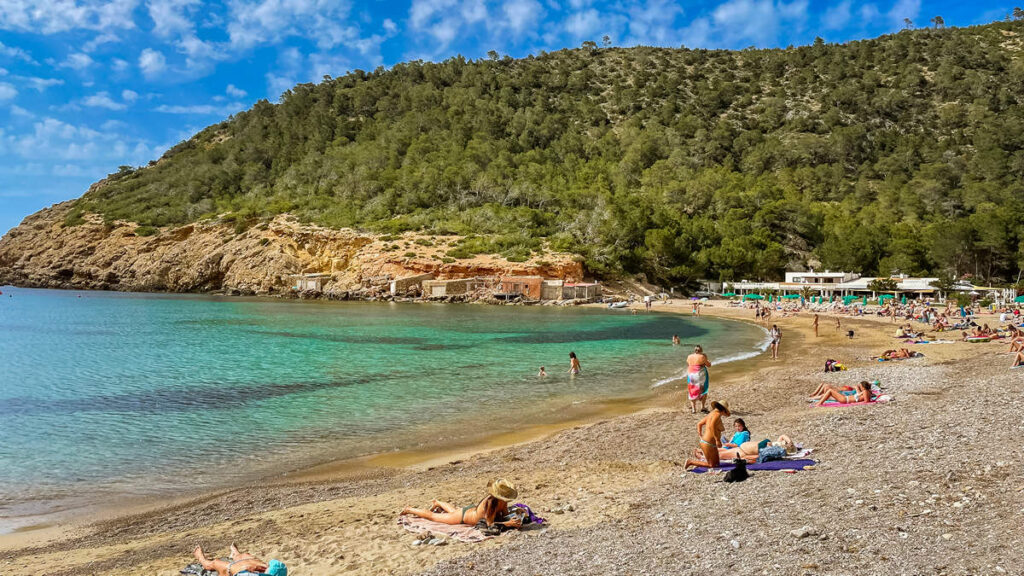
{"x": 213, "y": 257}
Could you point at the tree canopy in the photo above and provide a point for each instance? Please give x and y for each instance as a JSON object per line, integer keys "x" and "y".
{"x": 902, "y": 152}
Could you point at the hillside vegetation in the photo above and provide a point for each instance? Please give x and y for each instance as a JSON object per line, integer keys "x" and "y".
{"x": 903, "y": 152}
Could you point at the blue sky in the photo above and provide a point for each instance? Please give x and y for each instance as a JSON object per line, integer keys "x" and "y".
{"x": 88, "y": 85}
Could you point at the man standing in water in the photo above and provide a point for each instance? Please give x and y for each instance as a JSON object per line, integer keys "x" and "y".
{"x": 776, "y": 335}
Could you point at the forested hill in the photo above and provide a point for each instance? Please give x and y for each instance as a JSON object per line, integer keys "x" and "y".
{"x": 903, "y": 152}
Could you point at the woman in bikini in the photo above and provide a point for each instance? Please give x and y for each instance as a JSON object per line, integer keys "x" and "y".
{"x": 239, "y": 563}
{"x": 710, "y": 429}
{"x": 697, "y": 379}
{"x": 863, "y": 395}
{"x": 489, "y": 510}
{"x": 574, "y": 364}
{"x": 750, "y": 449}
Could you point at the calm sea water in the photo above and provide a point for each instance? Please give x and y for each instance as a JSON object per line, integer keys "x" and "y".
{"x": 106, "y": 394}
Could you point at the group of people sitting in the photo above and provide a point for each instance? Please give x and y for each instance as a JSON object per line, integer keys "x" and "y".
{"x": 715, "y": 446}
{"x": 907, "y": 331}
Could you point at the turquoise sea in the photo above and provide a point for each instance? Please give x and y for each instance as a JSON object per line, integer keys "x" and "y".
{"x": 111, "y": 395}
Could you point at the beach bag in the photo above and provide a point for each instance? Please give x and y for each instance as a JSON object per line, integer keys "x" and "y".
{"x": 771, "y": 453}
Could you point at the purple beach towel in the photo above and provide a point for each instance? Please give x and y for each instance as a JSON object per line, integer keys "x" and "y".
{"x": 773, "y": 465}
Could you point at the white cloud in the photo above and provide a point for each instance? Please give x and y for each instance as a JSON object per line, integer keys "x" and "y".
{"x": 55, "y": 16}
{"x": 15, "y": 52}
{"x": 119, "y": 65}
{"x": 152, "y": 63}
{"x": 202, "y": 109}
{"x": 7, "y": 91}
{"x": 521, "y": 14}
{"x": 234, "y": 91}
{"x": 102, "y": 100}
{"x": 77, "y": 61}
{"x": 836, "y": 17}
{"x": 171, "y": 17}
{"x": 54, "y": 142}
{"x": 258, "y": 22}
{"x": 740, "y": 23}
{"x": 474, "y": 11}
{"x": 653, "y": 23}
{"x": 129, "y": 96}
{"x": 583, "y": 24}
{"x": 903, "y": 9}
{"x": 106, "y": 38}
{"x": 389, "y": 26}
{"x": 39, "y": 84}
{"x": 20, "y": 112}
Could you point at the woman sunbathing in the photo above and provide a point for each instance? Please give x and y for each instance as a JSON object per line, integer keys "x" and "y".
{"x": 898, "y": 354}
{"x": 1018, "y": 360}
{"x": 749, "y": 450}
{"x": 239, "y": 563}
{"x": 863, "y": 395}
{"x": 489, "y": 510}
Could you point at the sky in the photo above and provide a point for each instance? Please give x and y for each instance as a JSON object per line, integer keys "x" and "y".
{"x": 87, "y": 86}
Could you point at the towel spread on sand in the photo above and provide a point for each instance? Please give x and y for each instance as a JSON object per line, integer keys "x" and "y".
{"x": 764, "y": 466}
{"x": 460, "y": 532}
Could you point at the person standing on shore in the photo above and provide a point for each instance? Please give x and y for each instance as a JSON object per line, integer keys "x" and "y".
{"x": 574, "y": 364}
{"x": 815, "y": 324}
{"x": 697, "y": 379}
{"x": 776, "y": 335}
{"x": 839, "y": 324}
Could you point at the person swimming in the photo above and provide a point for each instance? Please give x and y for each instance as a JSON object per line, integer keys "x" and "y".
{"x": 543, "y": 373}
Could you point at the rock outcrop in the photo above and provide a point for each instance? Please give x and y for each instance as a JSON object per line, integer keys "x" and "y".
{"x": 212, "y": 257}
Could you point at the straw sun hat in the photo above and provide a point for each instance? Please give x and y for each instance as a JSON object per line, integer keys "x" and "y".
{"x": 502, "y": 489}
{"x": 722, "y": 406}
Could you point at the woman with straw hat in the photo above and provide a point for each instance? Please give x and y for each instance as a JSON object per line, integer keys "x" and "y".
{"x": 495, "y": 505}
{"x": 709, "y": 430}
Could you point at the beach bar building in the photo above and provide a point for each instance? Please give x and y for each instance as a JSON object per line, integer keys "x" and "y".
{"x": 551, "y": 289}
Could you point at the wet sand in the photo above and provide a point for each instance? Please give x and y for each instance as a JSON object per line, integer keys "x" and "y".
{"x": 619, "y": 471}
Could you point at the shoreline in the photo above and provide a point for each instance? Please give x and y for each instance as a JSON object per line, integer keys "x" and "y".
{"x": 42, "y": 528}
{"x": 624, "y": 476}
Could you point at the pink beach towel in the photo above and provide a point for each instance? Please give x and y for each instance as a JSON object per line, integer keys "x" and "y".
{"x": 460, "y": 532}
{"x": 833, "y": 404}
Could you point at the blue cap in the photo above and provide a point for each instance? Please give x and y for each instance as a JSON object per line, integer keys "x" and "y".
{"x": 276, "y": 568}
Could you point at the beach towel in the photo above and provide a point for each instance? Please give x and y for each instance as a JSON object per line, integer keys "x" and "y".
{"x": 460, "y": 532}
{"x": 763, "y": 466}
{"x": 697, "y": 381}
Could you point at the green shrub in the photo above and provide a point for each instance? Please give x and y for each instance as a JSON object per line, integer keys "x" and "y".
{"x": 146, "y": 231}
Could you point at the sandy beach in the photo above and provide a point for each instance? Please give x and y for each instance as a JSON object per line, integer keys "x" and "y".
{"x": 927, "y": 484}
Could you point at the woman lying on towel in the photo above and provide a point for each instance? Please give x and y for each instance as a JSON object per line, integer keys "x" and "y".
{"x": 749, "y": 450}
{"x": 863, "y": 394}
{"x": 822, "y": 388}
{"x": 900, "y": 354}
{"x": 489, "y": 510}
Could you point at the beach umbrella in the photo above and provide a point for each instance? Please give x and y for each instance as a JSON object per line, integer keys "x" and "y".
{"x": 884, "y": 297}
{"x": 694, "y": 297}
{"x": 791, "y": 296}
{"x": 1019, "y": 299}
{"x": 904, "y": 299}
{"x": 753, "y": 297}
{"x": 729, "y": 294}
{"x": 848, "y": 299}
{"x": 865, "y": 303}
